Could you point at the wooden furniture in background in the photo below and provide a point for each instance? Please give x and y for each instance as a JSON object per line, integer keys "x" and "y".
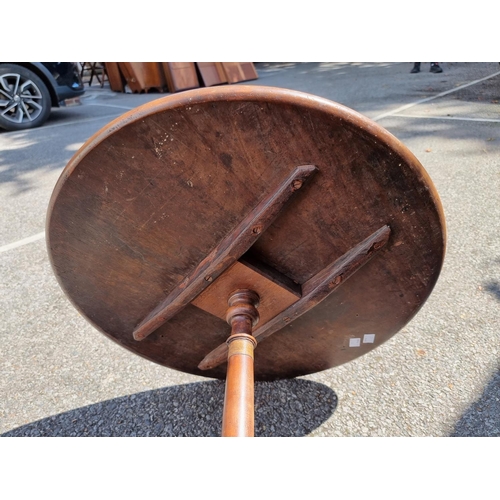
{"x": 172, "y": 76}
{"x": 180, "y": 76}
{"x": 319, "y": 212}
{"x": 212, "y": 73}
{"x": 143, "y": 76}
{"x": 239, "y": 72}
{"x": 116, "y": 79}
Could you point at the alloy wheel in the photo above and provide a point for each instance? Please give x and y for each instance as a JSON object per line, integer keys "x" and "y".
{"x": 20, "y": 98}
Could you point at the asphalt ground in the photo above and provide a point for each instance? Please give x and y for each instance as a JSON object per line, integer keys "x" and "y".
{"x": 440, "y": 376}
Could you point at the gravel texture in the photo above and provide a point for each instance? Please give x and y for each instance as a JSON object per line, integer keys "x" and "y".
{"x": 192, "y": 410}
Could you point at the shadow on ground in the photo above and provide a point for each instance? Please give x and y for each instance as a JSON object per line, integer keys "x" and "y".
{"x": 284, "y": 408}
{"x": 482, "y": 419}
{"x": 493, "y": 287}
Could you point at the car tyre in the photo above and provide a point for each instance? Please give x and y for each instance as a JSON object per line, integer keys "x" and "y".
{"x": 24, "y": 98}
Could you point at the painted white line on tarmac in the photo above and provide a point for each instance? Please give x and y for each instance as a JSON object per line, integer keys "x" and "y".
{"x": 62, "y": 124}
{"x": 464, "y": 118}
{"x": 22, "y": 242}
{"x": 108, "y": 105}
{"x": 427, "y": 99}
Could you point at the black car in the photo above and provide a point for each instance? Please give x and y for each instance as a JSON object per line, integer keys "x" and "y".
{"x": 29, "y": 90}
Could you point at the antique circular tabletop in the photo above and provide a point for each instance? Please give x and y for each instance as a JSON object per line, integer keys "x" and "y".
{"x": 149, "y": 196}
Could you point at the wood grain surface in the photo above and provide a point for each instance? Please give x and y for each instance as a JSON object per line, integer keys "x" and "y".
{"x": 180, "y": 76}
{"x": 274, "y": 298}
{"x": 238, "y": 413}
{"x": 230, "y": 248}
{"x": 239, "y": 72}
{"x": 143, "y": 76}
{"x": 313, "y": 291}
{"x": 211, "y": 73}
{"x": 147, "y": 198}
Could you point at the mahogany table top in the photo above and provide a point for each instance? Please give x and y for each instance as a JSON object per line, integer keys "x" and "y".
{"x": 142, "y": 204}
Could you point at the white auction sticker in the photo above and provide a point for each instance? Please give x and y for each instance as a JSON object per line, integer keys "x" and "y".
{"x": 368, "y": 338}
{"x": 354, "y": 342}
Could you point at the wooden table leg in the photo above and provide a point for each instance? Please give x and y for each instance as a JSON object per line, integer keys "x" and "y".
{"x": 238, "y": 416}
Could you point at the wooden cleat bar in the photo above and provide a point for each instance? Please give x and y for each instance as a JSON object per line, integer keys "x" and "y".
{"x": 230, "y": 249}
{"x": 314, "y": 291}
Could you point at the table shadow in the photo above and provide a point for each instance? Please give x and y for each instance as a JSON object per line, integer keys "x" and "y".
{"x": 282, "y": 409}
{"x": 482, "y": 418}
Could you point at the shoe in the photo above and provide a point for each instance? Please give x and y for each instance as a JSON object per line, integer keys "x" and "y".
{"x": 435, "y": 68}
{"x": 416, "y": 68}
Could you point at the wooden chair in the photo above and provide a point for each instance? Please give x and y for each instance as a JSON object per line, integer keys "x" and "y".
{"x": 91, "y": 69}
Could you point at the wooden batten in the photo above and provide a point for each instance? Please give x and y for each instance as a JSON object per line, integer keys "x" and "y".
{"x": 314, "y": 291}
{"x": 231, "y": 248}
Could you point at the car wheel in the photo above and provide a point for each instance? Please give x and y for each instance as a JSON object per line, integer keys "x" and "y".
{"x": 24, "y": 99}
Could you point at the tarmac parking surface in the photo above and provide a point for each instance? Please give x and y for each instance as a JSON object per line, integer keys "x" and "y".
{"x": 439, "y": 376}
